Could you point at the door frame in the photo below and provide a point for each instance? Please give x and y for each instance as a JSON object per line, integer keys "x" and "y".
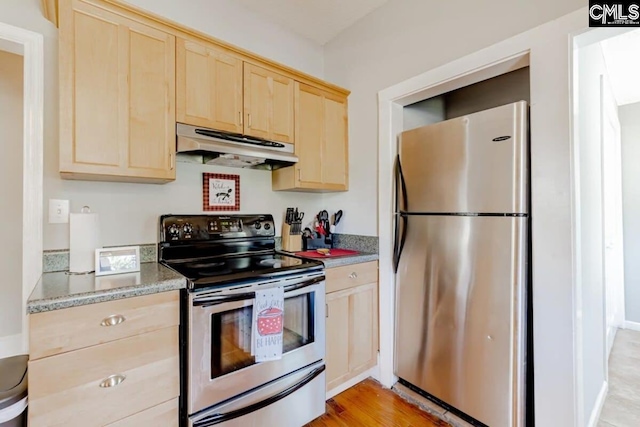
{"x": 548, "y": 50}
{"x": 581, "y": 38}
{"x": 619, "y": 302}
{"x": 31, "y": 46}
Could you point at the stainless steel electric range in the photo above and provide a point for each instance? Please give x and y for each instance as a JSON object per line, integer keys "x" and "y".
{"x": 226, "y": 258}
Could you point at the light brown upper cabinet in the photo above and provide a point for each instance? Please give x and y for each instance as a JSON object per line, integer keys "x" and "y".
{"x": 321, "y": 143}
{"x": 268, "y": 104}
{"x": 117, "y": 96}
{"x": 209, "y": 86}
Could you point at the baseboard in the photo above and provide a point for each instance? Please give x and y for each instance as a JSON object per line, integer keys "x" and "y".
{"x": 11, "y": 345}
{"x": 634, "y": 326}
{"x": 597, "y": 409}
{"x": 353, "y": 381}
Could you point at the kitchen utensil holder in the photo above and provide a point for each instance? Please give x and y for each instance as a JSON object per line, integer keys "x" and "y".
{"x": 325, "y": 242}
{"x": 290, "y": 242}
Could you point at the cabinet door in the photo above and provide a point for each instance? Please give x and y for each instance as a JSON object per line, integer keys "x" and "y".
{"x": 363, "y": 328}
{"x": 321, "y": 143}
{"x": 268, "y": 104}
{"x": 335, "y": 159}
{"x": 337, "y": 338}
{"x": 150, "y": 102}
{"x": 309, "y": 135}
{"x": 117, "y": 96}
{"x": 209, "y": 87}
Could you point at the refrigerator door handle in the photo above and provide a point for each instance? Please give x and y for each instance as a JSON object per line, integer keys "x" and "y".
{"x": 402, "y": 186}
{"x": 399, "y": 244}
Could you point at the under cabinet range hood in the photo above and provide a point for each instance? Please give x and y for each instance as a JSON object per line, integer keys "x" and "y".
{"x": 230, "y": 149}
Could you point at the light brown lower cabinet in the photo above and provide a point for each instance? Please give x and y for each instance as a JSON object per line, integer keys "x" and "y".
{"x": 352, "y": 331}
{"x": 166, "y": 415}
{"x": 128, "y": 375}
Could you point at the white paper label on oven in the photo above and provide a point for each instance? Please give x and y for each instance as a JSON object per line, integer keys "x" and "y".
{"x": 268, "y": 322}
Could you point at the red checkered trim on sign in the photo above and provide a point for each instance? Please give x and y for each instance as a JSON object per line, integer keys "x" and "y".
{"x": 205, "y": 192}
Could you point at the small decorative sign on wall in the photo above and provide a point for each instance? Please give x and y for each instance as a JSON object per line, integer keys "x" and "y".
{"x": 220, "y": 192}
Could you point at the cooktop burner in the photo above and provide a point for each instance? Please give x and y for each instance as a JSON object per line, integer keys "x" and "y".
{"x": 216, "y": 250}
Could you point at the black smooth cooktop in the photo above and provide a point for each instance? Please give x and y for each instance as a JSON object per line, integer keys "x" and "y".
{"x": 223, "y": 250}
{"x": 223, "y": 271}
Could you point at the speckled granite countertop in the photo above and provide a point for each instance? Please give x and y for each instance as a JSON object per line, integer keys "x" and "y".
{"x": 330, "y": 262}
{"x": 61, "y": 290}
{"x": 347, "y": 260}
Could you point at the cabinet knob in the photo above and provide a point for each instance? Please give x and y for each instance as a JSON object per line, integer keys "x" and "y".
{"x": 112, "y": 381}
{"x": 113, "y": 320}
{"x": 353, "y": 275}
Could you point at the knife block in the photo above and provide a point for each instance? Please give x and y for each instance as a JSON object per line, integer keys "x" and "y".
{"x": 290, "y": 242}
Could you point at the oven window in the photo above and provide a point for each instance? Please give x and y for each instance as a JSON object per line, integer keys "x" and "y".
{"x": 231, "y": 334}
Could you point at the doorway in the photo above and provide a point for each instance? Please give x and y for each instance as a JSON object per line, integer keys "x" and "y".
{"x": 11, "y": 115}
{"x": 605, "y": 96}
{"x": 21, "y": 99}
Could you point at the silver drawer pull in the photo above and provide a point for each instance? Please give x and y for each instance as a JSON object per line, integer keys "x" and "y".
{"x": 113, "y": 320}
{"x": 112, "y": 381}
{"x": 353, "y": 275}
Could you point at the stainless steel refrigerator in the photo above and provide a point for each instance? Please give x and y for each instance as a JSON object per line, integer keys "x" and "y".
{"x": 461, "y": 258}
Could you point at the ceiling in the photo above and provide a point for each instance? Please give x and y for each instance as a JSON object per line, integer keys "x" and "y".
{"x": 623, "y": 66}
{"x": 318, "y": 20}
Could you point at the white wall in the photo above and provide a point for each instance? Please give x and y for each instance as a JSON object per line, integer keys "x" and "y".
{"x": 397, "y": 41}
{"x": 129, "y": 212}
{"x": 11, "y": 113}
{"x": 630, "y": 127}
{"x": 591, "y": 66}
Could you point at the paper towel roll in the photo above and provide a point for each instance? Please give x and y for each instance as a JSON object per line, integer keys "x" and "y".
{"x": 84, "y": 236}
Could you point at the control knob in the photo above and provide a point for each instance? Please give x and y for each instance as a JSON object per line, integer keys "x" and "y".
{"x": 258, "y": 226}
{"x": 173, "y": 231}
{"x": 187, "y": 228}
{"x": 267, "y": 226}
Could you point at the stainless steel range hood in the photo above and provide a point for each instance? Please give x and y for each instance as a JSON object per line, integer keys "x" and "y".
{"x": 227, "y": 149}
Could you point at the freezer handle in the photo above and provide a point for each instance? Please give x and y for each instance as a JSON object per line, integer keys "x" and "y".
{"x": 220, "y": 418}
{"x": 401, "y": 186}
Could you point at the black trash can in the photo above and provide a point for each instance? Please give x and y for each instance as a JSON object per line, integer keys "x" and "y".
{"x": 13, "y": 391}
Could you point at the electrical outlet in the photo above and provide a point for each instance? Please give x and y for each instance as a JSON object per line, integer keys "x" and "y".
{"x": 58, "y": 211}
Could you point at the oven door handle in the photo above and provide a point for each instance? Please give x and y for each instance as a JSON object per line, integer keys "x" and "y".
{"x": 304, "y": 284}
{"x": 220, "y": 418}
{"x": 208, "y": 302}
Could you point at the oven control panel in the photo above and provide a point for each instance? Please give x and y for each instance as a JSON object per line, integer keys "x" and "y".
{"x": 183, "y": 228}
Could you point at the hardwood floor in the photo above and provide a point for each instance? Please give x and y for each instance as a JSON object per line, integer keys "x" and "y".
{"x": 368, "y": 404}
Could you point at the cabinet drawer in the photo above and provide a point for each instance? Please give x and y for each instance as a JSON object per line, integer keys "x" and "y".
{"x": 59, "y": 331}
{"x": 165, "y": 415}
{"x": 73, "y": 389}
{"x": 348, "y": 276}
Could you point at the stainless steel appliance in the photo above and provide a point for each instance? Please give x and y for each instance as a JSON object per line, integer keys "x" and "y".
{"x": 461, "y": 263}
{"x": 227, "y": 259}
{"x": 229, "y": 149}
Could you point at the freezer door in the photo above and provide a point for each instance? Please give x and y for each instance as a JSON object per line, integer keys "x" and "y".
{"x": 473, "y": 164}
{"x": 460, "y": 317}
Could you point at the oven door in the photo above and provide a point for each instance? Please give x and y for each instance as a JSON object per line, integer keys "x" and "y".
{"x": 220, "y": 362}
